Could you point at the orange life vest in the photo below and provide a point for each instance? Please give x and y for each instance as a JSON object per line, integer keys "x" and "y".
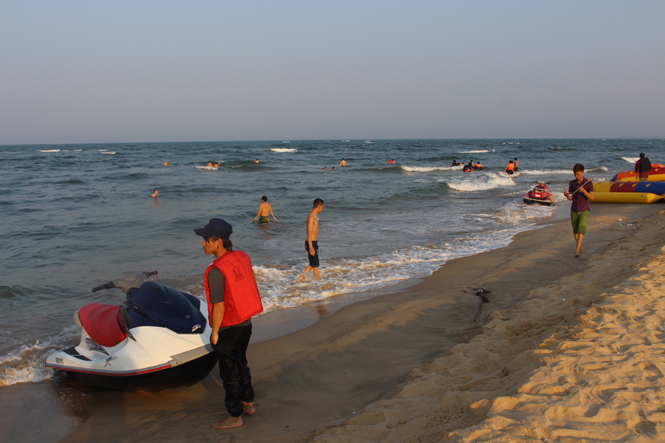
{"x": 241, "y": 294}
{"x": 511, "y": 167}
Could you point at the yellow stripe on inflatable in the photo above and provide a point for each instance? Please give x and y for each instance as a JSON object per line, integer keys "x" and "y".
{"x": 602, "y": 187}
{"x": 623, "y": 197}
{"x": 650, "y": 178}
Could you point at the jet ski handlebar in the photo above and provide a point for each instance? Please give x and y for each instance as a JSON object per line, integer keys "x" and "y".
{"x": 126, "y": 283}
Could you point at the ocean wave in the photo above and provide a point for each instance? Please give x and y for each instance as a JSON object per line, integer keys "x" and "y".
{"x": 108, "y": 152}
{"x": 479, "y": 182}
{"x": 428, "y": 168}
{"x": 630, "y": 159}
{"x": 517, "y": 213}
{"x": 25, "y": 363}
{"x": 541, "y": 172}
{"x": 48, "y": 150}
{"x": 283, "y": 149}
{"x": 478, "y": 151}
{"x": 598, "y": 169}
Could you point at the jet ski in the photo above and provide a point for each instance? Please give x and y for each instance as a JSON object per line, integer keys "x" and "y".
{"x": 158, "y": 338}
{"x": 539, "y": 194}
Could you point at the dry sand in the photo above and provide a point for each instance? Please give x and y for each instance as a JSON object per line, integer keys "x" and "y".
{"x": 580, "y": 360}
{"x": 525, "y": 369}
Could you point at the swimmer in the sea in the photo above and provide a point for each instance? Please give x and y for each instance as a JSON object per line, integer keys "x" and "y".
{"x": 155, "y": 194}
{"x": 333, "y": 168}
{"x": 454, "y": 163}
{"x": 256, "y": 160}
{"x": 216, "y": 165}
{"x": 510, "y": 169}
{"x": 209, "y": 164}
{"x": 264, "y": 210}
{"x": 342, "y": 163}
{"x": 325, "y": 168}
{"x": 517, "y": 165}
{"x": 166, "y": 163}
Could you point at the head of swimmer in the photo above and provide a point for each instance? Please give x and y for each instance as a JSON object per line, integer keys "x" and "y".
{"x": 264, "y": 199}
{"x": 318, "y": 205}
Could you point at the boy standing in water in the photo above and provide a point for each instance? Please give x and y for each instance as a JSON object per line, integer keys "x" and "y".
{"x": 580, "y": 191}
{"x": 264, "y": 210}
{"x": 233, "y": 299}
{"x": 311, "y": 244}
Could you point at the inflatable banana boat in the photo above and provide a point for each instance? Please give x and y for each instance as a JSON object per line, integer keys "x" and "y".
{"x": 628, "y": 192}
{"x": 656, "y": 174}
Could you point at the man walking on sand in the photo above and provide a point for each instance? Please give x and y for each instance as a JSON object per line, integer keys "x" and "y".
{"x": 233, "y": 299}
{"x": 580, "y": 191}
{"x": 311, "y": 244}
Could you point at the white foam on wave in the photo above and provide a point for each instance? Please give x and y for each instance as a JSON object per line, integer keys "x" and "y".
{"x": 49, "y": 150}
{"x": 478, "y": 182}
{"x": 543, "y": 172}
{"x": 479, "y": 151}
{"x": 516, "y": 213}
{"x": 280, "y": 290}
{"x": 108, "y": 152}
{"x": 77, "y": 150}
{"x": 630, "y": 159}
{"x": 428, "y": 168}
{"x": 283, "y": 149}
{"x": 207, "y": 168}
{"x": 600, "y": 168}
{"x": 25, "y": 363}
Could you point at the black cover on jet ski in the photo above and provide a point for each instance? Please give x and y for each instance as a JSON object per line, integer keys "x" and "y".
{"x": 156, "y": 305}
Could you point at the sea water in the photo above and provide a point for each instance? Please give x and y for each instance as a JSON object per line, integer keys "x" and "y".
{"x": 76, "y": 216}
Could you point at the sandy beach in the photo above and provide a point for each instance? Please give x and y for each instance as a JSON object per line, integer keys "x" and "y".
{"x": 567, "y": 348}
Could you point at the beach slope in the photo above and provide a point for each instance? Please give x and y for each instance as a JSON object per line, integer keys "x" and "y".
{"x": 579, "y": 360}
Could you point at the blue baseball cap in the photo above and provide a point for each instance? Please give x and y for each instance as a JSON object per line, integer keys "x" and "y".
{"x": 215, "y": 227}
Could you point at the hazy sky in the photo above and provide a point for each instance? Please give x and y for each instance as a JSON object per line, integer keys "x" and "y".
{"x": 132, "y": 71}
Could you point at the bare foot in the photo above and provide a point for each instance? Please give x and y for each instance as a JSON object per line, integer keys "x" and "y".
{"x": 577, "y": 254}
{"x": 228, "y": 423}
{"x": 248, "y": 408}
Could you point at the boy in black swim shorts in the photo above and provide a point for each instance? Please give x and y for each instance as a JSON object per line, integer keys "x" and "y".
{"x": 311, "y": 244}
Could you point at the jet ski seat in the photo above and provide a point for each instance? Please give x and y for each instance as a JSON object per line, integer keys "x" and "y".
{"x": 103, "y": 323}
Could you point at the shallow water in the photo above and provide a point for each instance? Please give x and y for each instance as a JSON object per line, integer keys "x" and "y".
{"x": 75, "y": 216}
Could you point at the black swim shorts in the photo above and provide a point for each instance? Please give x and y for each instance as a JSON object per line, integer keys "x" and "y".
{"x": 313, "y": 259}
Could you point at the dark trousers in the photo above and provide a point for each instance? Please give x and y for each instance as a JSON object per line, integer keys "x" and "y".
{"x": 231, "y": 349}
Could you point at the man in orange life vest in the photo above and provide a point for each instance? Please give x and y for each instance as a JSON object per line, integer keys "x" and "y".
{"x": 233, "y": 299}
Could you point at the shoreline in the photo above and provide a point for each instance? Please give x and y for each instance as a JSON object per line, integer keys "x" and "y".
{"x": 284, "y": 321}
{"x": 324, "y": 374}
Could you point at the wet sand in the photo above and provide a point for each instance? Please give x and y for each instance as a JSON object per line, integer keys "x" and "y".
{"x": 327, "y": 381}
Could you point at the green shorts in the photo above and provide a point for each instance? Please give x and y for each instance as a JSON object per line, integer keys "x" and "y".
{"x": 264, "y": 219}
{"x": 578, "y": 220}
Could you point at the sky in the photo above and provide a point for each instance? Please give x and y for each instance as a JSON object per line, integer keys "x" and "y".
{"x": 151, "y": 71}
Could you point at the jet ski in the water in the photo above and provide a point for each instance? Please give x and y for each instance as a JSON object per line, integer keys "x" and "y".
{"x": 539, "y": 194}
{"x": 158, "y": 338}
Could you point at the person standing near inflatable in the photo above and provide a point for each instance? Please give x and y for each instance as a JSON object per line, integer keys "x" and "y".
{"x": 642, "y": 167}
{"x": 580, "y": 191}
{"x": 233, "y": 299}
